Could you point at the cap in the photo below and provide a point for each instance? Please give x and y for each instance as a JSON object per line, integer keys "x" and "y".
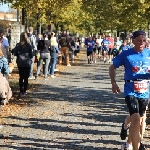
{"x": 138, "y": 33}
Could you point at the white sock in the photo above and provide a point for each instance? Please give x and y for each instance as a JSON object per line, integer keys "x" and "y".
{"x": 128, "y": 145}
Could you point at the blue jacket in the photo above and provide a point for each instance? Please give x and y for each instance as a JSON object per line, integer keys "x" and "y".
{"x": 54, "y": 51}
{"x": 4, "y": 66}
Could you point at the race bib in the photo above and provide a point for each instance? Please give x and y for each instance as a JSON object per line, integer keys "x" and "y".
{"x": 141, "y": 86}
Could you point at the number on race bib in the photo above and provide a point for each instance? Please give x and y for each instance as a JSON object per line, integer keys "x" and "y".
{"x": 141, "y": 86}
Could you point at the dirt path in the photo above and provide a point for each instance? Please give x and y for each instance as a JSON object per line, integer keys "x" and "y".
{"x": 75, "y": 111}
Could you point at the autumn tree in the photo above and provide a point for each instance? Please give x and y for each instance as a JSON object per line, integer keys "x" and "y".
{"x": 87, "y": 16}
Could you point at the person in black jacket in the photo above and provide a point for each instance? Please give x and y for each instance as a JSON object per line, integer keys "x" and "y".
{"x": 23, "y": 51}
{"x": 44, "y": 50}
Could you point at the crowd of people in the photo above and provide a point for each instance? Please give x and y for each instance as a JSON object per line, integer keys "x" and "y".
{"x": 106, "y": 47}
{"x": 37, "y": 55}
{"x": 48, "y": 50}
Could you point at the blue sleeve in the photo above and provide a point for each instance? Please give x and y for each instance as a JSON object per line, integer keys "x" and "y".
{"x": 119, "y": 60}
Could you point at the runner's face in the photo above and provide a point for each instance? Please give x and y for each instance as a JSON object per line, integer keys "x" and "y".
{"x": 90, "y": 38}
{"x": 139, "y": 42}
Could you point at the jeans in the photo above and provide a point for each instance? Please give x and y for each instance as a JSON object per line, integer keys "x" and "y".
{"x": 52, "y": 65}
{"x": 23, "y": 78}
{"x": 46, "y": 58}
{"x": 32, "y": 65}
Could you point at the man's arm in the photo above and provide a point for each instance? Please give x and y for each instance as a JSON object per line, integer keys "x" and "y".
{"x": 112, "y": 74}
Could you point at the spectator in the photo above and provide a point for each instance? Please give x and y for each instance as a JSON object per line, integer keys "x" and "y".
{"x": 54, "y": 43}
{"x": 44, "y": 49}
{"x": 72, "y": 48}
{"x": 54, "y": 55}
{"x": 64, "y": 43}
{"x": 33, "y": 42}
{"x": 4, "y": 69}
{"x": 23, "y": 51}
{"x": 5, "y": 90}
{"x": 4, "y": 44}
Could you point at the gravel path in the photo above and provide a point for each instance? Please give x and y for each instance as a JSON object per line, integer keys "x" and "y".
{"x": 75, "y": 111}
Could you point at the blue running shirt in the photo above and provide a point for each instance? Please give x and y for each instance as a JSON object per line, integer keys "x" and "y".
{"x": 90, "y": 44}
{"x": 105, "y": 44}
{"x": 124, "y": 47}
{"x": 137, "y": 66}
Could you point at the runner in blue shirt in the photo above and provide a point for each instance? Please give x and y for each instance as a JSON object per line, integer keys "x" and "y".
{"x": 89, "y": 43}
{"x": 124, "y": 46}
{"x": 136, "y": 88}
{"x": 105, "y": 48}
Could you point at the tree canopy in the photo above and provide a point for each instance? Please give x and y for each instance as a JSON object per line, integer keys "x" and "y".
{"x": 87, "y": 16}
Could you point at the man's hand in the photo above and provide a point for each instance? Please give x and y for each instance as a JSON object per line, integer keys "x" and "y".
{"x": 115, "y": 88}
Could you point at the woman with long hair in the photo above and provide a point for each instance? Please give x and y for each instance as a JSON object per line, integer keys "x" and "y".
{"x": 23, "y": 51}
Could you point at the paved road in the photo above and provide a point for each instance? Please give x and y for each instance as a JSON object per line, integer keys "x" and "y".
{"x": 75, "y": 111}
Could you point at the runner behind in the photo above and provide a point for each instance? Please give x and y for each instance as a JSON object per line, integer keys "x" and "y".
{"x": 105, "y": 48}
{"x": 89, "y": 43}
{"x": 110, "y": 46}
{"x": 99, "y": 45}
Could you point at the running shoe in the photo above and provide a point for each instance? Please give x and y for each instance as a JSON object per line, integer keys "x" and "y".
{"x": 123, "y": 133}
{"x": 142, "y": 147}
{"x": 126, "y": 146}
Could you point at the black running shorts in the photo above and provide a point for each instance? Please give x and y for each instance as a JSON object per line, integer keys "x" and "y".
{"x": 110, "y": 51}
{"x": 136, "y": 105}
{"x": 89, "y": 53}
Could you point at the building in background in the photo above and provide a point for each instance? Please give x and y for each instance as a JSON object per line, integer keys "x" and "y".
{"x": 8, "y": 16}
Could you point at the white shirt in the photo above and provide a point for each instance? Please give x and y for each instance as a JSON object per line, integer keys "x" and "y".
{"x": 54, "y": 41}
{"x": 99, "y": 41}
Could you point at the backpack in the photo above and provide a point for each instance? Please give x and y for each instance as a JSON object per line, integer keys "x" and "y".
{"x": 23, "y": 59}
{"x": 63, "y": 41}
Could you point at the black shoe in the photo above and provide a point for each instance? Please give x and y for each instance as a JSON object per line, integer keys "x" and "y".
{"x": 36, "y": 77}
{"x": 142, "y": 147}
{"x": 123, "y": 133}
{"x": 88, "y": 61}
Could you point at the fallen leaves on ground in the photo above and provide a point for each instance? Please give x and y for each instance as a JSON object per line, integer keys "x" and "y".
{"x": 17, "y": 104}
